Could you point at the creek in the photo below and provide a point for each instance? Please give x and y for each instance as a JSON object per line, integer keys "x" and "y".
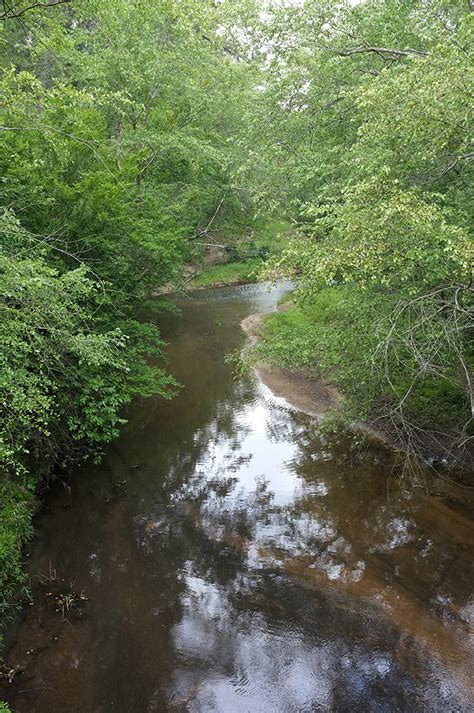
{"x": 227, "y": 557}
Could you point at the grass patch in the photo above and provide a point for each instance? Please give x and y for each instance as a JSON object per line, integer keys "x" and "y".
{"x": 273, "y": 234}
{"x": 228, "y": 273}
{"x": 285, "y": 298}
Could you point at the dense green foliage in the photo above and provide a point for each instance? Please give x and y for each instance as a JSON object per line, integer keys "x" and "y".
{"x": 371, "y": 112}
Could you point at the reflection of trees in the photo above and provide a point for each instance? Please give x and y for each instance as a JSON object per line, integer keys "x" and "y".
{"x": 249, "y": 628}
{"x": 223, "y": 597}
{"x": 409, "y": 540}
{"x": 278, "y": 642}
{"x": 246, "y": 607}
{"x": 246, "y": 618}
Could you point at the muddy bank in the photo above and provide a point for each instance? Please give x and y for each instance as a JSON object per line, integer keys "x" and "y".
{"x": 310, "y": 395}
{"x": 313, "y": 396}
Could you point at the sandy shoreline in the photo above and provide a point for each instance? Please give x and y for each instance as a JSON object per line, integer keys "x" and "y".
{"x": 309, "y": 395}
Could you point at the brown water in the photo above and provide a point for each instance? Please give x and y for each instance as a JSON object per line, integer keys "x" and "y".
{"x": 226, "y": 558}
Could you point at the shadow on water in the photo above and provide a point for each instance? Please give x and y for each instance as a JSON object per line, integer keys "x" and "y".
{"x": 224, "y": 557}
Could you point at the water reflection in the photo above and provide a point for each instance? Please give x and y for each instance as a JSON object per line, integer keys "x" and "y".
{"x": 235, "y": 560}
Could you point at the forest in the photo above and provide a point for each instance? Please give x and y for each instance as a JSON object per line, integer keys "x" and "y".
{"x": 135, "y": 134}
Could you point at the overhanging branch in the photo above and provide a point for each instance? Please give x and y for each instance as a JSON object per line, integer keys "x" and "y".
{"x": 384, "y": 52}
{"x": 10, "y": 13}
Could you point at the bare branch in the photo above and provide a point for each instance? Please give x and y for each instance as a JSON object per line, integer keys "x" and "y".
{"x": 384, "y": 52}
{"x": 455, "y": 161}
{"x": 10, "y": 13}
{"x": 425, "y": 333}
{"x": 200, "y": 233}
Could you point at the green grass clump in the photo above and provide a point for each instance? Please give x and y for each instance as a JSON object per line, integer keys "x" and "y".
{"x": 228, "y": 273}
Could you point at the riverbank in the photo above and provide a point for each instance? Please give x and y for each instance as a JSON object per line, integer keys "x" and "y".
{"x": 224, "y": 263}
{"x": 316, "y": 392}
{"x": 313, "y": 396}
{"x": 223, "y": 275}
{"x": 213, "y": 277}
{"x": 310, "y": 394}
